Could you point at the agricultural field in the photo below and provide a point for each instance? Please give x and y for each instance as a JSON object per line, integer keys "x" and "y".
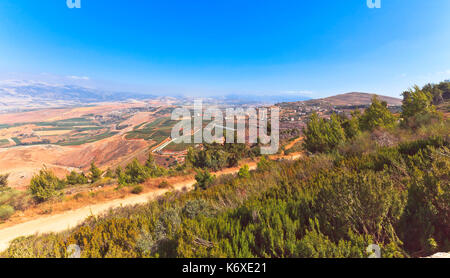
{"x": 74, "y": 131}
{"x": 157, "y": 131}
{"x": 63, "y": 140}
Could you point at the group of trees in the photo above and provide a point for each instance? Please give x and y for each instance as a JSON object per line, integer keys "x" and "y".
{"x": 418, "y": 108}
{"x": 135, "y": 173}
{"x": 218, "y": 156}
{"x": 439, "y": 92}
{"x": 325, "y": 135}
{"x": 46, "y": 185}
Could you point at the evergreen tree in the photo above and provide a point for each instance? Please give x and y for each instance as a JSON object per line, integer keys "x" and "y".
{"x": 417, "y": 107}
{"x": 323, "y": 135}
{"x": 3, "y": 181}
{"x": 95, "y": 173}
{"x": 376, "y": 116}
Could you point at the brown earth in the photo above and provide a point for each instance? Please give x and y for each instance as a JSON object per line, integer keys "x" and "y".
{"x": 23, "y": 162}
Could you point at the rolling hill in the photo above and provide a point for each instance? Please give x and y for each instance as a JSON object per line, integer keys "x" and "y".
{"x": 348, "y": 99}
{"x": 355, "y": 98}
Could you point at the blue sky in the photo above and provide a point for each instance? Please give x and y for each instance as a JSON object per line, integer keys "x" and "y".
{"x": 215, "y": 47}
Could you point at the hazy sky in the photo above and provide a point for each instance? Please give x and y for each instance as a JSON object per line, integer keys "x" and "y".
{"x": 207, "y": 47}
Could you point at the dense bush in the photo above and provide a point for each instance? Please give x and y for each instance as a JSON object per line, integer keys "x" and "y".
{"x": 4, "y": 181}
{"x": 204, "y": 179}
{"x": 377, "y": 115}
{"x": 135, "y": 173}
{"x": 418, "y": 108}
{"x": 323, "y": 135}
{"x": 218, "y": 156}
{"x": 45, "y": 185}
{"x": 6, "y": 212}
{"x": 75, "y": 178}
{"x": 138, "y": 189}
{"x": 244, "y": 172}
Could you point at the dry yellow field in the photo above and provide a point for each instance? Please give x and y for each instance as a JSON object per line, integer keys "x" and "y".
{"x": 52, "y": 132}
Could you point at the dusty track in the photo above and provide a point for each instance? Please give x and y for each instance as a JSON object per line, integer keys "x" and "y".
{"x": 292, "y": 144}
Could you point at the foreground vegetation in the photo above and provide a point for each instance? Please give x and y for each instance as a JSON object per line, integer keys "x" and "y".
{"x": 370, "y": 178}
{"x": 323, "y": 206}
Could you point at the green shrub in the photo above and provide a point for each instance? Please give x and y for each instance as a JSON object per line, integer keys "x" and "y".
{"x": 138, "y": 189}
{"x": 164, "y": 184}
{"x": 244, "y": 172}
{"x": 204, "y": 179}
{"x": 75, "y": 178}
{"x": 3, "y": 181}
{"x": 134, "y": 173}
{"x": 194, "y": 208}
{"x": 45, "y": 185}
{"x": 377, "y": 116}
{"x": 323, "y": 135}
{"x": 6, "y": 212}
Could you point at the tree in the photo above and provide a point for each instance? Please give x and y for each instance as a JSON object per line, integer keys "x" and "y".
{"x": 45, "y": 185}
{"x": 376, "y": 116}
{"x": 135, "y": 172}
{"x": 95, "y": 174}
{"x": 76, "y": 178}
{"x": 416, "y": 102}
{"x": 445, "y": 89}
{"x": 323, "y": 135}
{"x": 418, "y": 108}
{"x": 3, "y": 181}
{"x": 435, "y": 91}
{"x": 351, "y": 125}
{"x": 152, "y": 167}
{"x": 150, "y": 163}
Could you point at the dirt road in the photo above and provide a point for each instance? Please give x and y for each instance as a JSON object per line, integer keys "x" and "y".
{"x": 64, "y": 221}
{"x": 61, "y": 222}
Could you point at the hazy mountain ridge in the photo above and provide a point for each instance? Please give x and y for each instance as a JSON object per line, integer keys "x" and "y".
{"x": 20, "y": 95}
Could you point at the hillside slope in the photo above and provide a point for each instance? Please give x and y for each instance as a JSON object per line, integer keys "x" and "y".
{"x": 348, "y": 99}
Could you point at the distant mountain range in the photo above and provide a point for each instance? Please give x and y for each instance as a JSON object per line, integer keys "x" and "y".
{"x": 251, "y": 98}
{"x": 20, "y": 95}
{"x": 16, "y": 96}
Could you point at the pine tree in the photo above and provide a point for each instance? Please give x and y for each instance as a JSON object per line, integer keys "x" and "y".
{"x": 376, "y": 116}
{"x": 95, "y": 173}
